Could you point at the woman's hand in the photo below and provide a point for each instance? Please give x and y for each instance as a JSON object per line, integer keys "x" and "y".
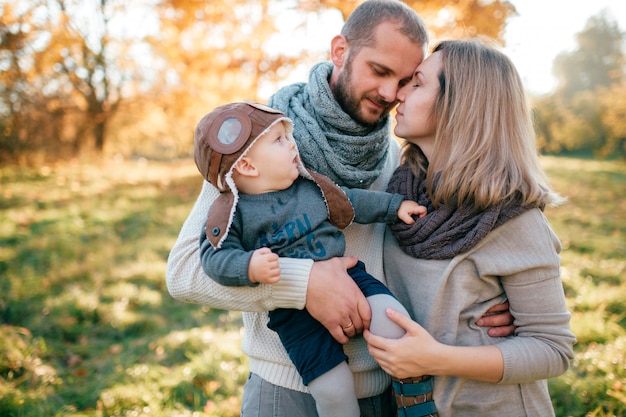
{"x": 409, "y": 356}
{"x": 417, "y": 353}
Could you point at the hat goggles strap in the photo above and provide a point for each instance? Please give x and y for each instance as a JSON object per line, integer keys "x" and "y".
{"x": 228, "y": 134}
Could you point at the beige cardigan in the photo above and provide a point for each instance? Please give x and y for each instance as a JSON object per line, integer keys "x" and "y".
{"x": 518, "y": 261}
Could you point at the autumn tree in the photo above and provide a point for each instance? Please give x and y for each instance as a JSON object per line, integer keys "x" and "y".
{"x": 12, "y": 38}
{"x": 445, "y": 19}
{"x": 583, "y": 114}
{"x": 206, "y": 54}
{"x": 597, "y": 61}
{"x": 465, "y": 18}
{"x": 215, "y": 52}
{"x": 21, "y": 100}
{"x": 613, "y": 115}
{"x": 66, "y": 73}
{"x": 134, "y": 77}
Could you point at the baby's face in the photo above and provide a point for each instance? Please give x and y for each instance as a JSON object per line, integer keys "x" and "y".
{"x": 275, "y": 156}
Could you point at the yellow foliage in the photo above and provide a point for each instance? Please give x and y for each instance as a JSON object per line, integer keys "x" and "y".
{"x": 93, "y": 85}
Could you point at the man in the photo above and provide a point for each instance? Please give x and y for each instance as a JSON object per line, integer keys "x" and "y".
{"x": 341, "y": 125}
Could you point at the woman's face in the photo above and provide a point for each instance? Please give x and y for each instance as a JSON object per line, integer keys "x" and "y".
{"x": 415, "y": 121}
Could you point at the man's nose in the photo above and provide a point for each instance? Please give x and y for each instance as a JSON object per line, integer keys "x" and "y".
{"x": 389, "y": 90}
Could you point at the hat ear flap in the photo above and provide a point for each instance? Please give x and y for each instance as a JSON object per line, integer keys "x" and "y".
{"x": 340, "y": 210}
{"x": 218, "y": 221}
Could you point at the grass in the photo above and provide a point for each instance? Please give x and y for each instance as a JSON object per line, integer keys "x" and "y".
{"x": 592, "y": 228}
{"x": 88, "y": 328}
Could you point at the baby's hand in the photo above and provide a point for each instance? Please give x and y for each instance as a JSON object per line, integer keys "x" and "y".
{"x": 263, "y": 267}
{"x": 408, "y": 208}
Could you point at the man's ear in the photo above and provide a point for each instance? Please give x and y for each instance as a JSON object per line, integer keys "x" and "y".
{"x": 246, "y": 168}
{"x": 338, "y": 50}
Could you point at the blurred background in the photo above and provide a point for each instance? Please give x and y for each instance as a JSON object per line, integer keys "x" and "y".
{"x": 132, "y": 78}
{"x": 98, "y": 101}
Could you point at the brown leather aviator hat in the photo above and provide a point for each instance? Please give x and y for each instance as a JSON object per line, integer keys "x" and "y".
{"x": 222, "y": 137}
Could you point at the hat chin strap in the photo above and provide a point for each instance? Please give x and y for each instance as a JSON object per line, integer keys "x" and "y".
{"x": 214, "y": 167}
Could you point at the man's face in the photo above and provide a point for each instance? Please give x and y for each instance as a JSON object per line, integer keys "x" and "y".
{"x": 368, "y": 83}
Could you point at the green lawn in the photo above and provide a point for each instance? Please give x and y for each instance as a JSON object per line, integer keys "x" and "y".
{"x": 87, "y": 327}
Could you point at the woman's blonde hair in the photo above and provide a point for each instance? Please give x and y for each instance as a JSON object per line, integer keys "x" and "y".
{"x": 485, "y": 150}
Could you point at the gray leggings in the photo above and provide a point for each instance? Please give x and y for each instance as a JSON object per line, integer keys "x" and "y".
{"x": 263, "y": 399}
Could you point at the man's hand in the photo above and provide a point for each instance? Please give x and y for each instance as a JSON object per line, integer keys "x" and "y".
{"x": 263, "y": 267}
{"x": 335, "y": 300}
{"x": 500, "y": 319}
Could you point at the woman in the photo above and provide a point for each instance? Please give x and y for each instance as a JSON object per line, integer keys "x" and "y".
{"x": 470, "y": 157}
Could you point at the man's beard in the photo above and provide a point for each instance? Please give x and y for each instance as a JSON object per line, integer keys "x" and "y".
{"x": 351, "y": 104}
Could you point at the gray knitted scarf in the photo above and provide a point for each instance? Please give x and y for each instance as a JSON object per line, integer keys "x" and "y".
{"x": 329, "y": 141}
{"x": 446, "y": 231}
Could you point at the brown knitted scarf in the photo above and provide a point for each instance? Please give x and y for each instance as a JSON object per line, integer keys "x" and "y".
{"x": 447, "y": 231}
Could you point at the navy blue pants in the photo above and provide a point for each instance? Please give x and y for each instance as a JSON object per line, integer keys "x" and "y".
{"x": 310, "y": 346}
